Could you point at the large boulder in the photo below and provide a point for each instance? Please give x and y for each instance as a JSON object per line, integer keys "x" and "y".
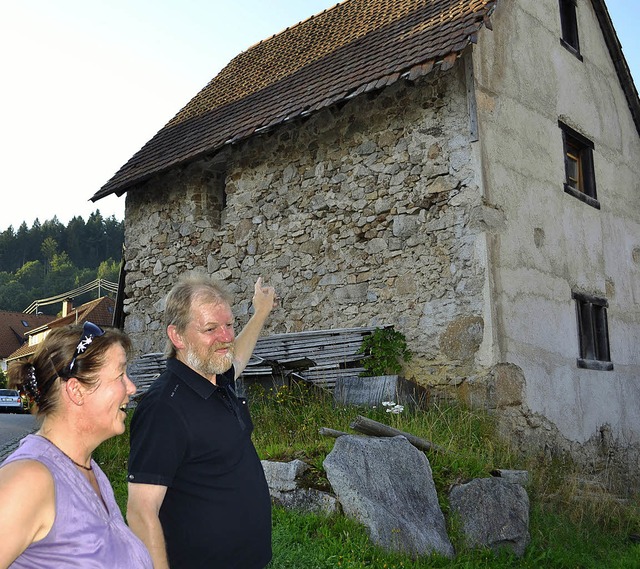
{"x": 387, "y": 485}
{"x": 493, "y": 513}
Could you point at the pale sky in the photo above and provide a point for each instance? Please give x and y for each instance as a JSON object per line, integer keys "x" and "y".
{"x": 86, "y": 83}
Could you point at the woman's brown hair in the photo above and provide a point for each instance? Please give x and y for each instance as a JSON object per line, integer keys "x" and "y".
{"x": 70, "y": 347}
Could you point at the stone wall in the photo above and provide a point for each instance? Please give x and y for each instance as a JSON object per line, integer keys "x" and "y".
{"x": 362, "y": 214}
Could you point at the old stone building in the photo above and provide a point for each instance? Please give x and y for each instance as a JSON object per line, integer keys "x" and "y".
{"x": 466, "y": 171}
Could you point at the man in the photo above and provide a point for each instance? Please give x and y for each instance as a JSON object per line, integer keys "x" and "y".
{"x": 198, "y": 497}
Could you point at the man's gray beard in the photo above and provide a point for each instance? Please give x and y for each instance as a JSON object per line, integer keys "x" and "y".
{"x": 214, "y": 366}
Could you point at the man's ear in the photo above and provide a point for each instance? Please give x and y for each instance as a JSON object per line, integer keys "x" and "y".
{"x": 175, "y": 337}
{"x": 75, "y": 390}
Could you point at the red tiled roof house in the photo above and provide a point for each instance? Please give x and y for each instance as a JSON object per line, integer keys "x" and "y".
{"x": 99, "y": 311}
{"x": 14, "y": 329}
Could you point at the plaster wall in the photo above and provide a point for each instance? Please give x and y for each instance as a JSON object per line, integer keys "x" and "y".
{"x": 552, "y": 243}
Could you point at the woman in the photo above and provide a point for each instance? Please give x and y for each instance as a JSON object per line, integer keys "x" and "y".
{"x": 57, "y": 508}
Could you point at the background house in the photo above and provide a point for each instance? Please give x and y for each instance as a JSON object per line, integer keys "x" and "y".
{"x": 14, "y": 327}
{"x": 99, "y": 311}
{"x": 466, "y": 171}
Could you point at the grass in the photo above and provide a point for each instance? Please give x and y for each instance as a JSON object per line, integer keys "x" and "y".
{"x": 566, "y": 532}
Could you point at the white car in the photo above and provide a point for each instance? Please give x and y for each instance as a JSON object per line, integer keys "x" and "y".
{"x": 10, "y": 401}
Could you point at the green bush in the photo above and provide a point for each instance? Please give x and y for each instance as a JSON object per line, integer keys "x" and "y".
{"x": 386, "y": 351}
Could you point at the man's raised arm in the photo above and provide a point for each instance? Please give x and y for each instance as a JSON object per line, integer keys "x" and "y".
{"x": 264, "y": 300}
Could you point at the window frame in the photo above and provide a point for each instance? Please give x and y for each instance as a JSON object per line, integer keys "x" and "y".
{"x": 578, "y": 150}
{"x": 570, "y": 38}
{"x": 593, "y": 332}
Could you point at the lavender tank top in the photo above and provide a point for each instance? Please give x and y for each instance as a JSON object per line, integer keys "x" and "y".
{"x": 84, "y": 534}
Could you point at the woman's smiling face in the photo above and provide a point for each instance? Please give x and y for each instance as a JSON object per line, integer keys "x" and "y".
{"x": 107, "y": 402}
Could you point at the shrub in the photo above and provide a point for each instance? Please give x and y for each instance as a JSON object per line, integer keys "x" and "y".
{"x": 386, "y": 350}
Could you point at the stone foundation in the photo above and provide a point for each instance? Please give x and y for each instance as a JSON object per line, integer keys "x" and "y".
{"x": 613, "y": 463}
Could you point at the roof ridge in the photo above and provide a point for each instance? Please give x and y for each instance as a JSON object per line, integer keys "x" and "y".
{"x": 355, "y": 46}
{"x": 295, "y": 25}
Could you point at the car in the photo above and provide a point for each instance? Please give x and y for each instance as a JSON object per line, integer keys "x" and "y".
{"x": 10, "y": 401}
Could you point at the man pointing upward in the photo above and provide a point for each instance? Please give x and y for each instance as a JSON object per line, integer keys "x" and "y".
{"x": 198, "y": 497}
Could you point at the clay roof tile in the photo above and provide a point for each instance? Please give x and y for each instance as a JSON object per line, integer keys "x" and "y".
{"x": 355, "y": 46}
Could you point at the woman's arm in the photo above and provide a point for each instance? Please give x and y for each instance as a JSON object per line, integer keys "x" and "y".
{"x": 27, "y": 507}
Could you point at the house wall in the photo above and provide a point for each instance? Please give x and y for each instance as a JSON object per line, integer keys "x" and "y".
{"x": 552, "y": 243}
{"x": 368, "y": 213}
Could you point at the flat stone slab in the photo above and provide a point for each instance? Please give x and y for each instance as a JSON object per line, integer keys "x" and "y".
{"x": 387, "y": 485}
{"x": 493, "y": 513}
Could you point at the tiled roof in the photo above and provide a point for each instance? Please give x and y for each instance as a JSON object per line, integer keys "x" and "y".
{"x": 13, "y": 328}
{"x": 354, "y": 47}
{"x": 99, "y": 311}
{"x": 619, "y": 61}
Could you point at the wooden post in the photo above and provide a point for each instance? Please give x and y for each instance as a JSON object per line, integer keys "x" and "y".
{"x": 371, "y": 427}
{"x": 326, "y": 432}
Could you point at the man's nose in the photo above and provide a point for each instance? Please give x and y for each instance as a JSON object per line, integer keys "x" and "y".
{"x": 228, "y": 334}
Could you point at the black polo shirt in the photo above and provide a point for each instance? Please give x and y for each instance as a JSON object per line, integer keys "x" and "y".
{"x": 195, "y": 438}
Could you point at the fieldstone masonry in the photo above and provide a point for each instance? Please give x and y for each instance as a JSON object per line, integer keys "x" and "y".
{"x": 359, "y": 215}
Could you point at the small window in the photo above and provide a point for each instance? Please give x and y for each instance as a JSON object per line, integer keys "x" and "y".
{"x": 593, "y": 332}
{"x": 569, "y": 25}
{"x": 580, "y": 180}
{"x": 211, "y": 202}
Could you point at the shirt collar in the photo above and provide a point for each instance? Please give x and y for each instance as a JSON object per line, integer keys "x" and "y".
{"x": 201, "y": 385}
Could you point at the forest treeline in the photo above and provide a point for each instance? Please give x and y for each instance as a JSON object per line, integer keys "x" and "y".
{"x": 50, "y": 258}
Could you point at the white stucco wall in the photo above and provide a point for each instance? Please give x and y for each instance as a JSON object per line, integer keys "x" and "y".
{"x": 551, "y": 242}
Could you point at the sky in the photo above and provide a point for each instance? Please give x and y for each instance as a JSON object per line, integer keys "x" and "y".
{"x": 86, "y": 83}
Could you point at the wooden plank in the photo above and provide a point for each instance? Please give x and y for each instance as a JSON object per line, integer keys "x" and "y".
{"x": 327, "y": 432}
{"x": 318, "y": 356}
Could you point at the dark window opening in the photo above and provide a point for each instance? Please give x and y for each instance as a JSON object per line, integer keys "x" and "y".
{"x": 593, "y": 332}
{"x": 569, "y": 26}
{"x": 210, "y": 201}
{"x": 580, "y": 180}
{"x": 223, "y": 197}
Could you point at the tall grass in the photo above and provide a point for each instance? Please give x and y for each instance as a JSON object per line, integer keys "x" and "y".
{"x": 567, "y": 530}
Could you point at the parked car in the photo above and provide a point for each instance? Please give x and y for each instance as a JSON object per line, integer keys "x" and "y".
{"x": 10, "y": 401}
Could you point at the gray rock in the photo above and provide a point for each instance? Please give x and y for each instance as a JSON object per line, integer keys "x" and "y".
{"x": 283, "y": 479}
{"x": 516, "y": 476}
{"x": 387, "y": 485}
{"x": 307, "y": 500}
{"x": 493, "y": 513}
{"x": 282, "y": 476}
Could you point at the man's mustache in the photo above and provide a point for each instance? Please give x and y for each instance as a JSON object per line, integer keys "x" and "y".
{"x": 222, "y": 346}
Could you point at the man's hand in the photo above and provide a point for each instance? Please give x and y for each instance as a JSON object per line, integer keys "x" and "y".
{"x": 264, "y": 298}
